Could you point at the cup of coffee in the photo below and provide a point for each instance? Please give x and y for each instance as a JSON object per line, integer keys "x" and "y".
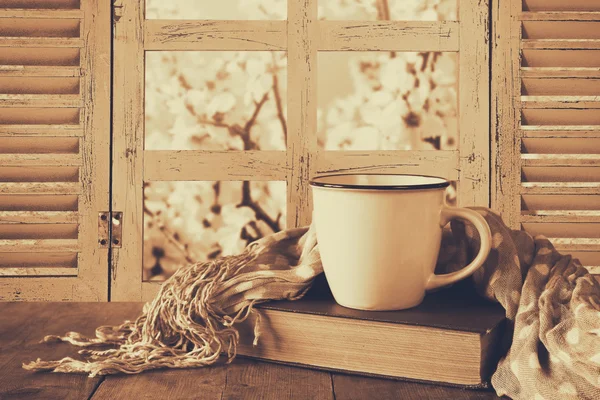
{"x": 379, "y": 237}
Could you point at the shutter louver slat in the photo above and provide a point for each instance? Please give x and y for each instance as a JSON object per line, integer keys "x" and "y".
{"x": 39, "y": 13}
{"x": 40, "y": 100}
{"x": 54, "y": 130}
{"x": 566, "y": 160}
{"x": 590, "y": 188}
{"x": 561, "y": 5}
{"x": 40, "y": 188}
{"x": 7, "y": 160}
{"x": 558, "y": 72}
{"x": 559, "y": 44}
{"x": 38, "y": 217}
{"x": 560, "y": 216}
{"x": 38, "y": 246}
{"x": 34, "y": 70}
{"x": 23, "y": 42}
{"x": 560, "y": 102}
{"x": 561, "y": 16}
{"x": 576, "y": 244}
{"x": 560, "y": 125}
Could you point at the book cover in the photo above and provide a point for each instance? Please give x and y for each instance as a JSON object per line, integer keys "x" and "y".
{"x": 453, "y": 337}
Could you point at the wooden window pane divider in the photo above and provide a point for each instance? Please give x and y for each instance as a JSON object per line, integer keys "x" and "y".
{"x": 181, "y": 35}
{"x": 184, "y": 165}
{"x": 301, "y": 108}
{"x": 443, "y": 163}
{"x": 388, "y": 36}
{"x": 473, "y": 105}
{"x": 561, "y": 102}
{"x": 174, "y": 35}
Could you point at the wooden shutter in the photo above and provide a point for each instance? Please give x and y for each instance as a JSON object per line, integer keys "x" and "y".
{"x": 546, "y": 102}
{"x": 54, "y": 141}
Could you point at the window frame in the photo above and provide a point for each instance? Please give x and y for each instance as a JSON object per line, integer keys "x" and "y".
{"x": 302, "y": 35}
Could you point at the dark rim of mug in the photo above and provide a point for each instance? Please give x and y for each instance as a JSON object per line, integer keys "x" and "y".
{"x": 438, "y": 185}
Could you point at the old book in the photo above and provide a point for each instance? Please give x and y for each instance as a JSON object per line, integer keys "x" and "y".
{"x": 453, "y": 337}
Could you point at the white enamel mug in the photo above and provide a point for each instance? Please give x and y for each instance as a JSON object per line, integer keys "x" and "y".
{"x": 379, "y": 237}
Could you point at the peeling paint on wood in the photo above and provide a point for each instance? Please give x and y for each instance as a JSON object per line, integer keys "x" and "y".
{"x": 561, "y": 15}
{"x": 42, "y": 271}
{"x": 560, "y": 216}
{"x": 190, "y": 165}
{"x": 40, "y": 13}
{"x": 40, "y": 188}
{"x": 41, "y": 159}
{"x": 560, "y": 102}
{"x": 128, "y": 154}
{"x": 40, "y": 130}
{"x": 388, "y": 35}
{"x": 302, "y": 108}
{"x": 590, "y": 188}
{"x": 430, "y": 162}
{"x": 215, "y": 35}
{"x": 40, "y": 100}
{"x": 506, "y": 141}
{"x": 473, "y": 103}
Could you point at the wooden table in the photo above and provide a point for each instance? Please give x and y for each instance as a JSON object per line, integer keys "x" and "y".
{"x": 22, "y": 325}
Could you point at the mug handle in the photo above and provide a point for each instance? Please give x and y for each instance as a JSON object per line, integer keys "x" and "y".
{"x": 450, "y": 213}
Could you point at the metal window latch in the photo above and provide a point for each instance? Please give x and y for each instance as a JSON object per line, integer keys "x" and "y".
{"x": 110, "y": 230}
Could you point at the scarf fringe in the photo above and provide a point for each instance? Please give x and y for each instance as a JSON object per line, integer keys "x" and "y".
{"x": 182, "y": 327}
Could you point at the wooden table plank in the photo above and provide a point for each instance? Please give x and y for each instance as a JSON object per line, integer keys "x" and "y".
{"x": 22, "y": 325}
{"x": 253, "y": 380}
{"x": 349, "y": 387}
{"x": 201, "y": 383}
